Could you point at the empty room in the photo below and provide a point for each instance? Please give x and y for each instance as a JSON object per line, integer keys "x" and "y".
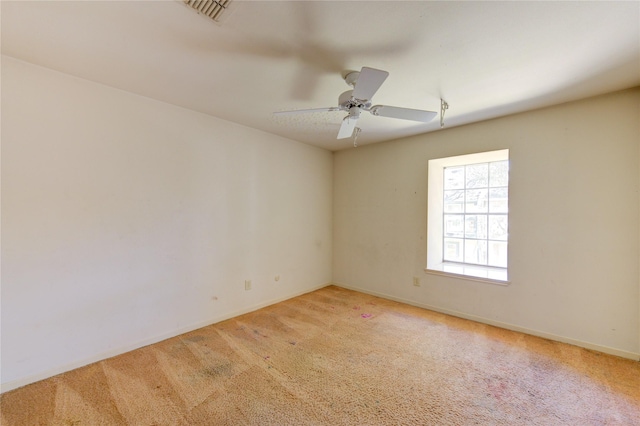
{"x": 320, "y": 213}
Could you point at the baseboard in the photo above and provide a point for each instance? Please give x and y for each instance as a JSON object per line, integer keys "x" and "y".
{"x": 605, "y": 349}
{"x": 5, "y": 387}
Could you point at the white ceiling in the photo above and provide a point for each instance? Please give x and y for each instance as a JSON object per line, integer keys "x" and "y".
{"x": 486, "y": 59}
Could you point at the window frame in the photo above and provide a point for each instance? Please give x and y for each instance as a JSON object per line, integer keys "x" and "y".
{"x": 435, "y": 225}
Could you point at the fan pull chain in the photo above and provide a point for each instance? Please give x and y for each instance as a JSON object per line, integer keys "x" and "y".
{"x": 356, "y": 132}
{"x": 443, "y": 107}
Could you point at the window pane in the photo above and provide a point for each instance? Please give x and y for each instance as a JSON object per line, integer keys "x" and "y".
{"x": 454, "y": 177}
{"x": 475, "y": 226}
{"x": 453, "y": 225}
{"x": 453, "y": 249}
{"x": 454, "y": 201}
{"x": 498, "y": 254}
{"x": 475, "y": 251}
{"x": 499, "y": 173}
{"x": 471, "y": 216}
{"x": 498, "y": 227}
{"x": 499, "y": 200}
{"x": 476, "y": 200}
{"x": 477, "y": 175}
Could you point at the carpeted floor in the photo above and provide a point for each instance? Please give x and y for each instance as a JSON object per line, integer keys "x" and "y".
{"x": 337, "y": 357}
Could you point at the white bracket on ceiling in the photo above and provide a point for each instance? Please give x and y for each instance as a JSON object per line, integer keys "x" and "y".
{"x": 356, "y": 132}
{"x": 443, "y": 107}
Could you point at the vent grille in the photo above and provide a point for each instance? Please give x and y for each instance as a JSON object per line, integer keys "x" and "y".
{"x": 211, "y": 8}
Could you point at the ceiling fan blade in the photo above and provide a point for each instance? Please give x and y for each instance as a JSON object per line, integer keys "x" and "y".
{"x": 348, "y": 124}
{"x": 403, "y": 113}
{"x": 304, "y": 111}
{"x": 368, "y": 83}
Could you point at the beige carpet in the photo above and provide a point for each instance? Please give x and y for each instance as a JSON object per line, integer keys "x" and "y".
{"x": 337, "y": 357}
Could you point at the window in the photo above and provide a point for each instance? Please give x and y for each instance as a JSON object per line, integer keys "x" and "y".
{"x": 468, "y": 215}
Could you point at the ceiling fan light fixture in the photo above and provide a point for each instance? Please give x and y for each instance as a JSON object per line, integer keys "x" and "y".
{"x": 354, "y": 112}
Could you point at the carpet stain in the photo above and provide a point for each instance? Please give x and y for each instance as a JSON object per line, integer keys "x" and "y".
{"x": 225, "y": 370}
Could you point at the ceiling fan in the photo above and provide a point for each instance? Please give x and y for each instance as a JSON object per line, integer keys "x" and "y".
{"x": 365, "y": 84}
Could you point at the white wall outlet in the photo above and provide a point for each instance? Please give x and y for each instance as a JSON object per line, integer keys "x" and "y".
{"x": 247, "y": 284}
{"x": 416, "y": 281}
{"x": 277, "y": 277}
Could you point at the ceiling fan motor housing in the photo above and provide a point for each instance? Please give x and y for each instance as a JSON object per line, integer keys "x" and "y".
{"x": 347, "y": 101}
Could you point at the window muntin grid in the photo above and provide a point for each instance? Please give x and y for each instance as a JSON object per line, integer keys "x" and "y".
{"x": 475, "y": 214}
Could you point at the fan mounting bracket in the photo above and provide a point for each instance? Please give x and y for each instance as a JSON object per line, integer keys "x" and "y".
{"x": 352, "y": 78}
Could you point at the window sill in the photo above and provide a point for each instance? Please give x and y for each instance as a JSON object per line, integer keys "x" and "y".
{"x": 470, "y": 272}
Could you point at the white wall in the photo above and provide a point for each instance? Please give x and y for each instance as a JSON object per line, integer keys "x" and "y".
{"x": 126, "y": 220}
{"x": 574, "y": 222}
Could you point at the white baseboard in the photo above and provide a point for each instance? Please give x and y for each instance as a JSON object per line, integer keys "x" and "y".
{"x": 14, "y": 384}
{"x": 605, "y": 349}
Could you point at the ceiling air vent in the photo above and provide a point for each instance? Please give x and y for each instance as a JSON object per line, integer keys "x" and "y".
{"x": 211, "y": 8}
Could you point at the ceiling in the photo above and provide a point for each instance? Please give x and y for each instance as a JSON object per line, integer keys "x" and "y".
{"x": 485, "y": 59}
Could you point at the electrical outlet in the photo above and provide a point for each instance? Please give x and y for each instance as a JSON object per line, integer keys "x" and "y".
{"x": 416, "y": 281}
{"x": 247, "y": 284}
{"x": 277, "y": 278}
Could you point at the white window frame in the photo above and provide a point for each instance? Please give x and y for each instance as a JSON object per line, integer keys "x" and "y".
{"x": 435, "y": 264}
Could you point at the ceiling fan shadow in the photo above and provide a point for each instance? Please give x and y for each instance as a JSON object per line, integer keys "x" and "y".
{"x": 315, "y": 48}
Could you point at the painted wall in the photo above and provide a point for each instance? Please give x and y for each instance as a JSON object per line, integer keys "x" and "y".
{"x": 574, "y": 222}
{"x": 126, "y": 221}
